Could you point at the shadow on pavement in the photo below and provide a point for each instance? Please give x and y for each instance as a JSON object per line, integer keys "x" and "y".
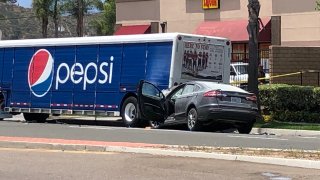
{"x": 113, "y": 123}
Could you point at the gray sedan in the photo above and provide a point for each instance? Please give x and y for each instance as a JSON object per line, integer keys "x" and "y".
{"x": 198, "y": 104}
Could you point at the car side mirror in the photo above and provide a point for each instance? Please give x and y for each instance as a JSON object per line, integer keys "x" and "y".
{"x": 232, "y": 73}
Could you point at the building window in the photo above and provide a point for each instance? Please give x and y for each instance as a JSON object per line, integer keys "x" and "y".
{"x": 239, "y": 52}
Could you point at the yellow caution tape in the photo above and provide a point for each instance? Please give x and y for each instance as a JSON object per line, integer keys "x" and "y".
{"x": 282, "y": 75}
{"x": 271, "y": 77}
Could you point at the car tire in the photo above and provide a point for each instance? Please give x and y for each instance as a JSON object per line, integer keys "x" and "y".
{"x": 245, "y": 129}
{"x": 1, "y": 119}
{"x": 192, "y": 120}
{"x": 155, "y": 124}
{"x": 37, "y": 117}
{"x": 129, "y": 112}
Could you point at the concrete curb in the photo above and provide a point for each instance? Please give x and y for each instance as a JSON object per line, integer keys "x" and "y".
{"x": 285, "y": 132}
{"x": 312, "y": 164}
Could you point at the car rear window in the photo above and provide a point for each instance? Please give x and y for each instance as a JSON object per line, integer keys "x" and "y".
{"x": 224, "y": 87}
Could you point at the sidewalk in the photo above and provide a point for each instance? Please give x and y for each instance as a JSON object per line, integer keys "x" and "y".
{"x": 230, "y": 154}
{"x": 288, "y": 132}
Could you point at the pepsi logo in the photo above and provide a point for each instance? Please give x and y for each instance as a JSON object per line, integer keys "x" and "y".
{"x": 40, "y": 73}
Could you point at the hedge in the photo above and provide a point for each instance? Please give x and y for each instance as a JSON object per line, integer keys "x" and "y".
{"x": 291, "y": 102}
{"x": 296, "y": 116}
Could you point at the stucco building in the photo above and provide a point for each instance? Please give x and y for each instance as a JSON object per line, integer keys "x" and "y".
{"x": 285, "y": 22}
{"x": 288, "y": 22}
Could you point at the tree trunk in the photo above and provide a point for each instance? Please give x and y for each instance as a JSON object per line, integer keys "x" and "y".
{"x": 45, "y": 23}
{"x": 80, "y": 18}
{"x": 55, "y": 19}
{"x": 253, "y": 31}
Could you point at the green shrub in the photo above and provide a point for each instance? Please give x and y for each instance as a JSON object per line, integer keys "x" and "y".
{"x": 291, "y": 103}
{"x": 282, "y": 97}
{"x": 316, "y": 99}
{"x": 296, "y": 116}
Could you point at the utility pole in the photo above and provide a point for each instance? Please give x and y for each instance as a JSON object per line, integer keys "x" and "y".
{"x": 253, "y": 30}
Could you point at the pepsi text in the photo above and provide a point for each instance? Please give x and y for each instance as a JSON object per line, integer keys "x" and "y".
{"x": 78, "y": 73}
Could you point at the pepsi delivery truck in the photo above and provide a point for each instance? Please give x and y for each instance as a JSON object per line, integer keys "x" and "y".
{"x": 99, "y": 75}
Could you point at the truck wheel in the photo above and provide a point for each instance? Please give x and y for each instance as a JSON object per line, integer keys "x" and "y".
{"x": 192, "y": 120}
{"x": 37, "y": 117}
{"x": 245, "y": 129}
{"x": 129, "y": 112}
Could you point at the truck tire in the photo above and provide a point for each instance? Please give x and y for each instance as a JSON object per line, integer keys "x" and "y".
{"x": 37, "y": 117}
{"x": 129, "y": 112}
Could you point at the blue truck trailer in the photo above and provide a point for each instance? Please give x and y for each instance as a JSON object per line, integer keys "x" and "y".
{"x": 99, "y": 75}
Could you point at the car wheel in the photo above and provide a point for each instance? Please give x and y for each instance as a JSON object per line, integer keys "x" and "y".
{"x": 37, "y": 117}
{"x": 155, "y": 124}
{"x": 129, "y": 112}
{"x": 245, "y": 129}
{"x": 192, "y": 120}
{"x": 1, "y": 119}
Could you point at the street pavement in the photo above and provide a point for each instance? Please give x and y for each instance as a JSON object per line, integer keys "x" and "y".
{"x": 43, "y": 164}
{"x": 113, "y": 132}
{"x": 110, "y": 136}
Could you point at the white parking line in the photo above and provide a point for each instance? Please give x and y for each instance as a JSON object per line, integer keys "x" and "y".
{"x": 253, "y": 137}
{"x": 308, "y": 137}
{"x": 93, "y": 127}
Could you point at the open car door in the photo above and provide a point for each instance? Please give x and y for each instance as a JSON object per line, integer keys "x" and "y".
{"x": 151, "y": 102}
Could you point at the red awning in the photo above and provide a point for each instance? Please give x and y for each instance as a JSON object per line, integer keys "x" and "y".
{"x": 236, "y": 31}
{"x": 135, "y": 29}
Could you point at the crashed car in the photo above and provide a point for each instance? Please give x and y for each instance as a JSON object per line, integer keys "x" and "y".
{"x": 198, "y": 104}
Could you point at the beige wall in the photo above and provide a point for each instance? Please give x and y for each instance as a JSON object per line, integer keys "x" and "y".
{"x": 137, "y": 11}
{"x": 300, "y": 22}
{"x": 237, "y": 9}
{"x": 180, "y": 15}
{"x": 292, "y": 6}
{"x": 300, "y": 29}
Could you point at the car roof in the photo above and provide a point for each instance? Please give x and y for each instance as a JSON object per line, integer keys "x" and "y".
{"x": 216, "y": 85}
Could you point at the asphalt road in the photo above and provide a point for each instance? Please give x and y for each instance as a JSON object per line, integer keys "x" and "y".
{"x": 112, "y": 131}
{"x": 38, "y": 164}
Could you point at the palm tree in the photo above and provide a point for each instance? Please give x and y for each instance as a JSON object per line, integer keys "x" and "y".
{"x": 45, "y": 9}
{"x": 105, "y": 24}
{"x": 8, "y": 1}
{"x": 55, "y": 16}
{"x": 42, "y": 10}
{"x": 318, "y": 5}
{"x": 78, "y": 9}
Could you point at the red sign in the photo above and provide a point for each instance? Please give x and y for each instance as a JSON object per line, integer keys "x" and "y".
{"x": 210, "y": 4}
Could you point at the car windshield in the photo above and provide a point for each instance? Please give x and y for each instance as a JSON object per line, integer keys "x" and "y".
{"x": 241, "y": 69}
